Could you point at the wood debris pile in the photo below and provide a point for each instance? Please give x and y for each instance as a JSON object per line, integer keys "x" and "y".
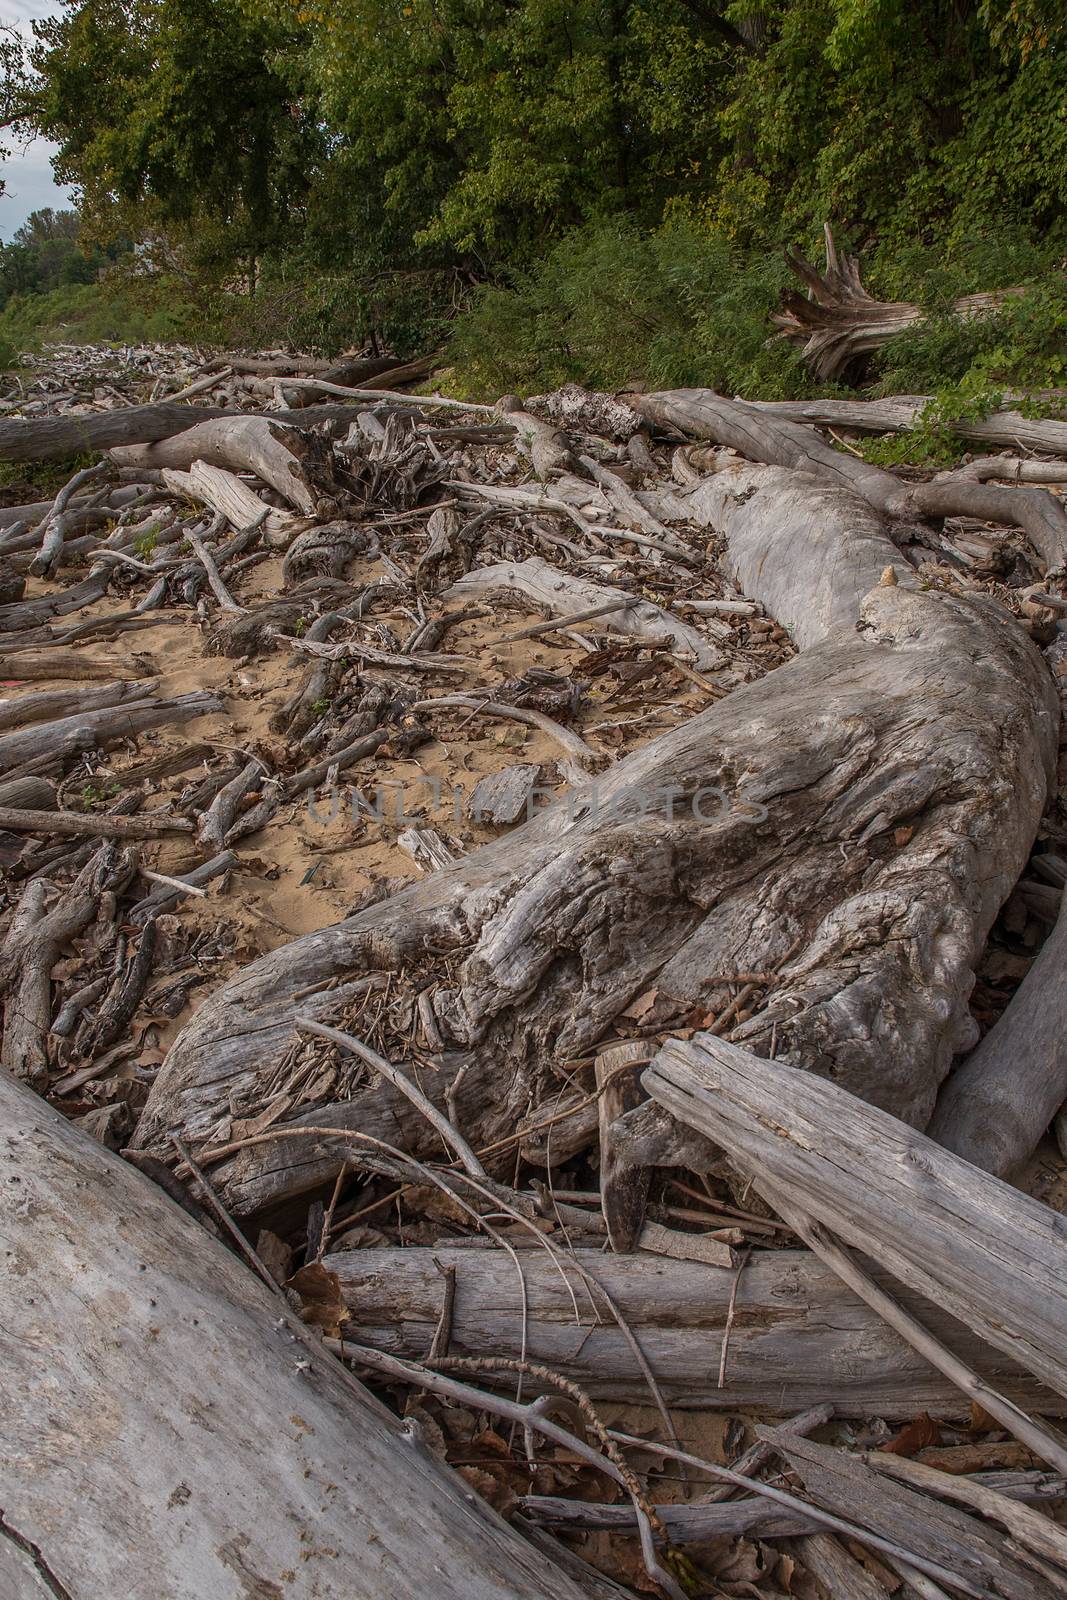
{"x": 434, "y": 839}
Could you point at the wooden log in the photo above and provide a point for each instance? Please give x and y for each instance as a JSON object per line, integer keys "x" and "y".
{"x": 993, "y": 1257}
{"x": 900, "y": 413}
{"x": 19, "y": 711}
{"x": 31, "y": 665}
{"x": 985, "y": 1565}
{"x": 92, "y": 729}
{"x": 702, "y": 414}
{"x": 249, "y": 1462}
{"x": 229, "y": 497}
{"x": 90, "y": 825}
{"x": 853, "y": 822}
{"x": 274, "y": 451}
{"x": 996, "y": 1106}
{"x": 798, "y": 1336}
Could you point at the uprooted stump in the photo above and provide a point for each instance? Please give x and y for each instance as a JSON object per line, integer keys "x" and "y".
{"x": 852, "y": 824}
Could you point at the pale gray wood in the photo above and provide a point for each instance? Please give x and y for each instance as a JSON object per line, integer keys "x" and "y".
{"x": 878, "y": 798}
{"x": 760, "y": 436}
{"x": 270, "y": 449}
{"x": 502, "y": 797}
{"x": 799, "y": 1336}
{"x": 562, "y": 593}
{"x": 964, "y": 1544}
{"x": 96, "y": 728}
{"x": 996, "y": 1106}
{"x": 749, "y": 1518}
{"x": 898, "y": 414}
{"x": 991, "y": 1256}
{"x": 185, "y": 1438}
{"x": 840, "y": 1574}
{"x": 17, "y": 711}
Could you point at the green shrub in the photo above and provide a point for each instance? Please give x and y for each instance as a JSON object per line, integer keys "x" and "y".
{"x": 611, "y": 304}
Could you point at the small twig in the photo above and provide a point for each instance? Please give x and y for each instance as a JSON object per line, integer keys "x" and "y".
{"x": 453, "y": 1139}
{"x": 327, "y": 1221}
{"x": 224, "y": 1217}
{"x": 731, "y": 1308}
{"x": 442, "y": 1334}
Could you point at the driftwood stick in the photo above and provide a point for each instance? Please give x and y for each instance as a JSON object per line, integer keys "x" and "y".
{"x": 91, "y": 825}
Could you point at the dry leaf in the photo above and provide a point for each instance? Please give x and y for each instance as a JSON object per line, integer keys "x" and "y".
{"x": 913, "y": 1437}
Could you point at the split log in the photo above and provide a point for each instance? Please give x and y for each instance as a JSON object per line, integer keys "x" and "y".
{"x": 991, "y": 1256}
{"x": 18, "y": 711}
{"x": 853, "y": 822}
{"x": 93, "y": 729}
{"x": 535, "y": 580}
{"x": 996, "y": 1106}
{"x": 230, "y": 498}
{"x": 249, "y": 1462}
{"x": 291, "y": 461}
{"x": 798, "y": 1337}
{"x": 900, "y": 413}
{"x": 702, "y": 414}
{"x": 837, "y": 320}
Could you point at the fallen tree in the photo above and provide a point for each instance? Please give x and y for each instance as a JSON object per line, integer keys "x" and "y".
{"x": 878, "y": 797}
{"x": 195, "y": 1397}
{"x": 838, "y": 321}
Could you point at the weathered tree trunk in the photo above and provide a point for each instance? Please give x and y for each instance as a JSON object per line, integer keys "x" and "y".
{"x": 89, "y": 729}
{"x": 853, "y": 822}
{"x": 286, "y": 458}
{"x": 838, "y": 320}
{"x": 194, "y": 1440}
{"x": 797, "y": 1338}
{"x": 899, "y": 413}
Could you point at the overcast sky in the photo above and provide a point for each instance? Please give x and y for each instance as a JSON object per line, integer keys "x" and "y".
{"x": 27, "y": 174}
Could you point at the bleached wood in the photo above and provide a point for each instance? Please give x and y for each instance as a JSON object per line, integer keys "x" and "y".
{"x": 172, "y": 1433}
{"x": 993, "y": 1257}
{"x": 232, "y": 499}
{"x": 798, "y": 1338}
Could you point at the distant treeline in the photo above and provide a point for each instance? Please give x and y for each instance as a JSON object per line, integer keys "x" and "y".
{"x": 328, "y": 170}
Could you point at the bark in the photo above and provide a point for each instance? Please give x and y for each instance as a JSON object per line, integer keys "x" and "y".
{"x": 879, "y": 797}
{"x": 702, "y": 414}
{"x": 798, "y": 1336}
{"x": 193, "y": 1440}
{"x": 996, "y": 1106}
{"x": 837, "y": 320}
{"x": 990, "y": 1256}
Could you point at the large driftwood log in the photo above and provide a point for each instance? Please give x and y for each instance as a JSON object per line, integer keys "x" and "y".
{"x": 797, "y": 1336}
{"x": 995, "y": 1107}
{"x": 702, "y": 414}
{"x": 90, "y": 729}
{"x": 990, "y": 1256}
{"x": 193, "y": 1440}
{"x": 855, "y": 820}
{"x": 837, "y": 320}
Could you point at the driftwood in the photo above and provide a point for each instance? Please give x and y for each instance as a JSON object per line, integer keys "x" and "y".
{"x": 18, "y": 711}
{"x": 544, "y": 585}
{"x": 797, "y": 1336}
{"x": 249, "y": 1462}
{"x": 702, "y": 414}
{"x": 990, "y": 1256}
{"x": 900, "y": 414}
{"x": 88, "y": 730}
{"x": 90, "y": 825}
{"x": 996, "y": 1106}
{"x": 284, "y": 457}
{"x": 984, "y": 1565}
{"x": 837, "y": 320}
{"x": 232, "y": 499}
{"x": 875, "y": 916}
